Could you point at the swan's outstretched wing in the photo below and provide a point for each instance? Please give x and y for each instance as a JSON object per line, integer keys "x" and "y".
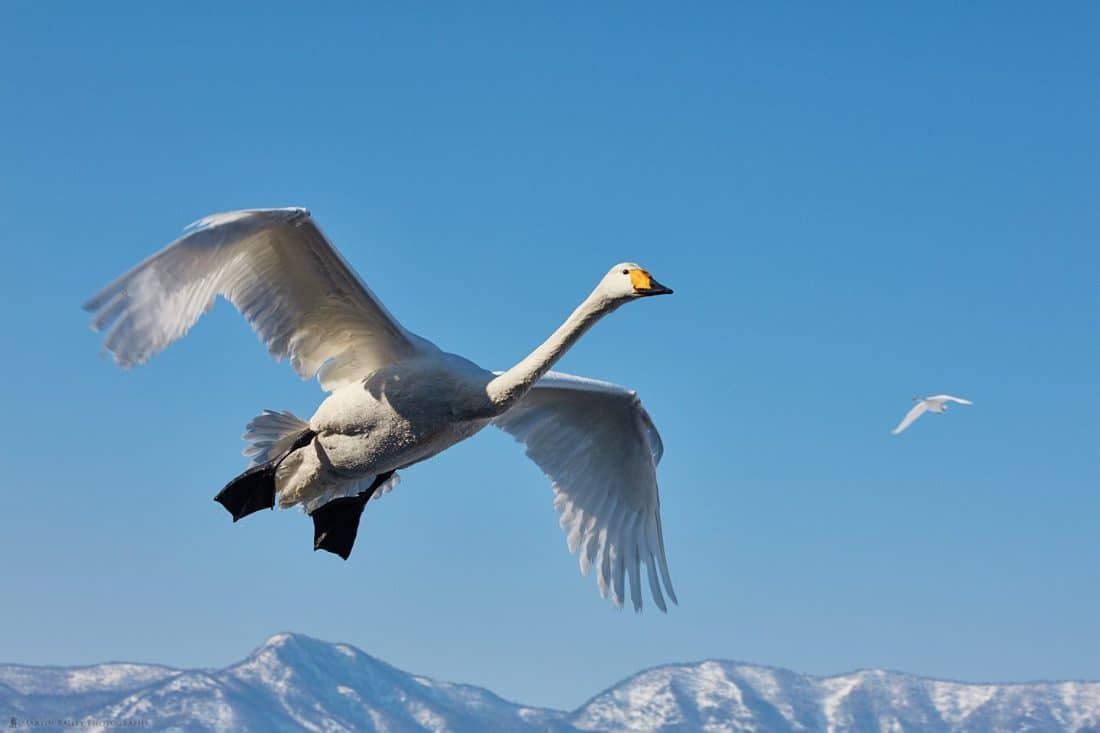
{"x": 600, "y": 449}
{"x": 949, "y": 398}
{"x": 278, "y": 269}
{"x": 910, "y": 416}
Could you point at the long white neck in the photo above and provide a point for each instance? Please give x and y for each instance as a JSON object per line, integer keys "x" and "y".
{"x": 514, "y": 383}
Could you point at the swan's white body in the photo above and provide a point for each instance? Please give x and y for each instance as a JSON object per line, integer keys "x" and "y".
{"x": 397, "y": 416}
{"x": 396, "y": 399}
{"x": 937, "y": 404}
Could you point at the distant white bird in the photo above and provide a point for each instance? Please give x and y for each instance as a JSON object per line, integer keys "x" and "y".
{"x": 927, "y": 404}
{"x": 396, "y": 399}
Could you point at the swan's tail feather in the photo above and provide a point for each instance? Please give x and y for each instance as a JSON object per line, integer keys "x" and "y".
{"x": 271, "y": 435}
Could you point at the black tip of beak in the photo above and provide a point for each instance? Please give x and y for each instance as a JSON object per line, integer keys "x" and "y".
{"x": 658, "y": 289}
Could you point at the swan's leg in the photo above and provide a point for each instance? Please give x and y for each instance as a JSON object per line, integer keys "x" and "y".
{"x": 336, "y": 524}
{"x": 254, "y": 489}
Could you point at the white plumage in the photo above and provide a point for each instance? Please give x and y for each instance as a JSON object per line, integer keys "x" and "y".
{"x": 395, "y": 398}
{"x": 280, "y": 272}
{"x": 600, "y": 449}
{"x": 937, "y": 403}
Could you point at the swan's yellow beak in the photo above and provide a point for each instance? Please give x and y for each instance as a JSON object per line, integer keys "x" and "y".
{"x": 644, "y": 284}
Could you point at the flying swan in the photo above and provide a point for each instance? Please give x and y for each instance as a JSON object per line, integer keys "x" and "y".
{"x": 396, "y": 399}
{"x": 927, "y": 404}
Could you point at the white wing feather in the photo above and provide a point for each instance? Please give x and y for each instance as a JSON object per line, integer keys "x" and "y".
{"x": 282, "y": 274}
{"x": 949, "y": 398}
{"x": 918, "y": 410}
{"x": 600, "y": 449}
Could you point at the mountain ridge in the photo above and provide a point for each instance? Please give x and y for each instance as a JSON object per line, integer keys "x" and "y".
{"x": 296, "y": 682}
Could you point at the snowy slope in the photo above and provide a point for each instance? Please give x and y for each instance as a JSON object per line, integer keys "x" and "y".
{"x": 291, "y": 683}
{"x": 723, "y": 697}
{"x": 294, "y": 683}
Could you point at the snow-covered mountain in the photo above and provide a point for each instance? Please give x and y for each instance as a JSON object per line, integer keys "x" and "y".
{"x": 730, "y": 696}
{"x": 291, "y": 683}
{"x": 294, "y": 683}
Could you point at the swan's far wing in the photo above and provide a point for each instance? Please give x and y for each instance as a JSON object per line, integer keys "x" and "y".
{"x": 910, "y": 416}
{"x": 949, "y": 398}
{"x": 282, "y": 274}
{"x": 600, "y": 449}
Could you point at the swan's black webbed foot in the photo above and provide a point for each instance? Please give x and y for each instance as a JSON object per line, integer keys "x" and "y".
{"x": 336, "y": 524}
{"x": 254, "y": 489}
{"x": 250, "y": 492}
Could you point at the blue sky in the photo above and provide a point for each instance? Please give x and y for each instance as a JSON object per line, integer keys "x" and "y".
{"x": 853, "y": 208}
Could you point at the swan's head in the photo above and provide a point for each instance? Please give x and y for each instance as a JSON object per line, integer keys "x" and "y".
{"x": 627, "y": 280}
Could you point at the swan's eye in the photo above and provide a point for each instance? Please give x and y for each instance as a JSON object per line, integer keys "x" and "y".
{"x": 626, "y": 272}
